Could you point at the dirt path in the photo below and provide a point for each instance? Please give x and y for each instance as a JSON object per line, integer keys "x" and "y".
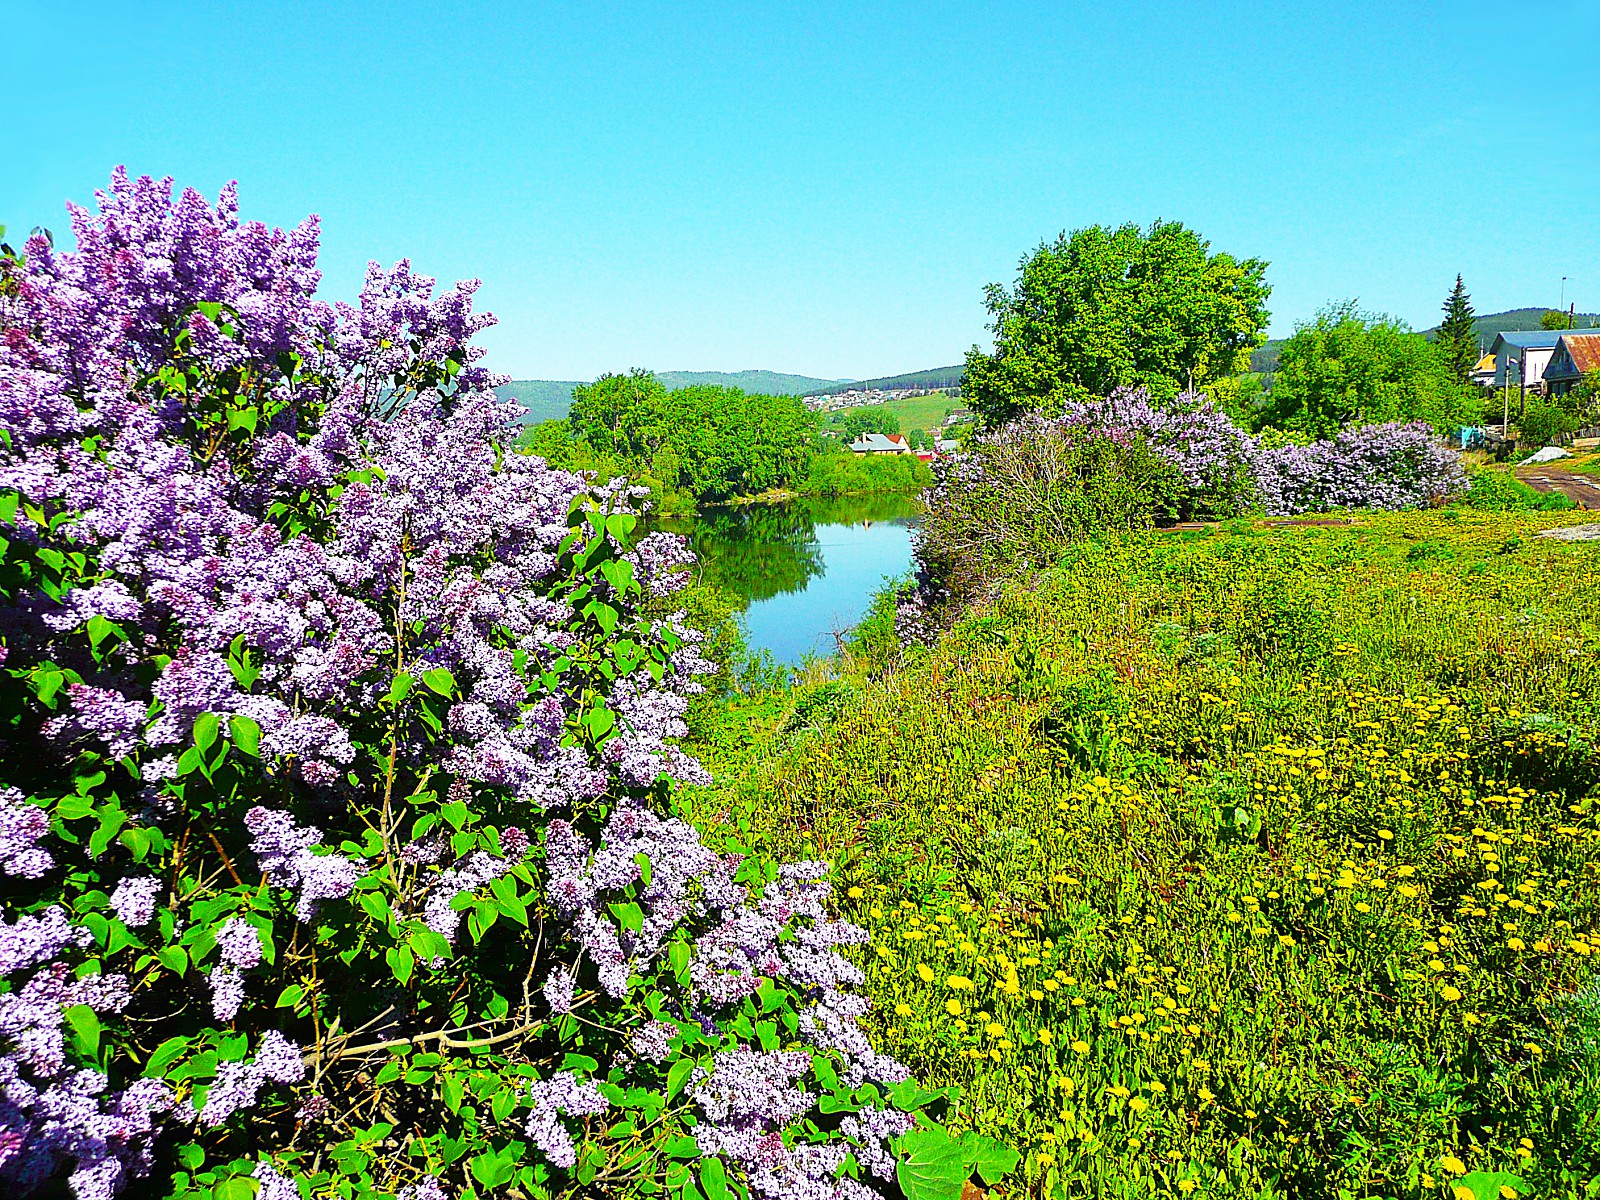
{"x": 1582, "y": 490}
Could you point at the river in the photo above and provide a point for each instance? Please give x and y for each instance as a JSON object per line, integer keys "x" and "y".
{"x": 806, "y": 569}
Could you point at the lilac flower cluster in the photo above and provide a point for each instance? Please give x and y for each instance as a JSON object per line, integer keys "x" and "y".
{"x": 22, "y": 825}
{"x": 551, "y": 1098}
{"x": 52, "y": 1112}
{"x": 238, "y": 1084}
{"x": 284, "y": 851}
{"x": 1396, "y": 465}
{"x": 1212, "y": 453}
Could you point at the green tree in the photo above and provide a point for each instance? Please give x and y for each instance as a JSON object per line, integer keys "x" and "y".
{"x": 1347, "y": 367}
{"x": 853, "y": 422}
{"x": 620, "y": 414}
{"x": 1555, "y": 320}
{"x": 1103, "y": 308}
{"x": 1458, "y": 337}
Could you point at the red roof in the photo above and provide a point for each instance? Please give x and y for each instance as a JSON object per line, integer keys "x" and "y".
{"x": 898, "y": 439}
{"x": 1585, "y": 351}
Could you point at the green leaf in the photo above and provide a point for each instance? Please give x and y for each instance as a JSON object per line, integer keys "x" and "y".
{"x": 173, "y": 959}
{"x": 85, "y": 1029}
{"x": 243, "y": 418}
{"x": 453, "y": 1089}
{"x": 714, "y": 1179}
{"x": 191, "y": 1155}
{"x": 630, "y": 915}
{"x": 676, "y": 1076}
{"x": 909, "y": 1095}
{"x": 290, "y": 996}
{"x": 401, "y": 962}
{"x": 399, "y": 688}
{"x": 205, "y": 730}
{"x": 1486, "y": 1185}
{"x": 992, "y": 1159}
{"x": 165, "y": 1055}
{"x": 246, "y": 735}
{"x": 440, "y": 680}
{"x": 935, "y": 1170}
{"x": 240, "y": 1187}
{"x": 111, "y": 820}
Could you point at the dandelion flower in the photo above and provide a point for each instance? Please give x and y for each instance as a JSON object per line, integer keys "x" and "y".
{"x": 1045, "y": 1037}
{"x": 1451, "y": 994}
{"x": 1080, "y": 1047}
{"x": 953, "y": 1007}
{"x": 1451, "y": 1165}
{"x": 925, "y": 972}
{"x": 902, "y": 1010}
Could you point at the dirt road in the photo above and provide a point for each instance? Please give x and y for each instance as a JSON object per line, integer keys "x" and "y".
{"x": 1582, "y": 490}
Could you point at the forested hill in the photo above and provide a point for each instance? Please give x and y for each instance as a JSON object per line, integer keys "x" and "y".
{"x": 935, "y": 377}
{"x": 551, "y": 399}
{"x": 1265, "y": 357}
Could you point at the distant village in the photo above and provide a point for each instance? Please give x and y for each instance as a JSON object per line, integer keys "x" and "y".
{"x": 856, "y": 398}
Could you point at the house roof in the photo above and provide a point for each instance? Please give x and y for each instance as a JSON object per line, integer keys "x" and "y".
{"x": 1528, "y": 339}
{"x": 1486, "y": 363}
{"x": 1575, "y": 356}
{"x": 870, "y": 442}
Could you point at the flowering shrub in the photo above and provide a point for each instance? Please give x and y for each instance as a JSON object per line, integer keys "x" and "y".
{"x": 1392, "y": 466}
{"x": 1016, "y": 497}
{"x": 1210, "y": 451}
{"x": 337, "y": 842}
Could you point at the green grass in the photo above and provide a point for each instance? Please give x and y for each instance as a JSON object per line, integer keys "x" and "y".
{"x": 917, "y": 412}
{"x": 1242, "y": 863}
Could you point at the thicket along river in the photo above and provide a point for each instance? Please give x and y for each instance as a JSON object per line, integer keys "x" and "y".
{"x": 806, "y": 569}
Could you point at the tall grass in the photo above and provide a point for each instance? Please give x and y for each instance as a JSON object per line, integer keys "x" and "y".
{"x": 1243, "y": 863}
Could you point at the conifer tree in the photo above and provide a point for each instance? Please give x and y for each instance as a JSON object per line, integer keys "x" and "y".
{"x": 1458, "y": 338}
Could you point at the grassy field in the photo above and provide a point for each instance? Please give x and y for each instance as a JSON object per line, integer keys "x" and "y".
{"x": 918, "y": 412}
{"x": 1249, "y": 862}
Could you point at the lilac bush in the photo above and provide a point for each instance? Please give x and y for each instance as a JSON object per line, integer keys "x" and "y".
{"x": 338, "y": 848}
{"x": 1396, "y": 465}
{"x": 1212, "y": 454}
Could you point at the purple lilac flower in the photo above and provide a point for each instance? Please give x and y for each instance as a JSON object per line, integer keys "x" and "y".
{"x": 274, "y": 1186}
{"x": 1396, "y": 465}
{"x": 227, "y": 992}
{"x": 552, "y": 1098}
{"x": 426, "y": 1188}
{"x": 439, "y": 913}
{"x": 284, "y": 851}
{"x": 239, "y": 944}
{"x": 653, "y": 1041}
{"x": 21, "y": 826}
{"x": 134, "y": 900}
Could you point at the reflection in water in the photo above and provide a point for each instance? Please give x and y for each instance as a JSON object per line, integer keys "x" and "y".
{"x": 805, "y": 569}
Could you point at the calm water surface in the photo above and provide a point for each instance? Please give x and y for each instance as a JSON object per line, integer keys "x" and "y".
{"x": 806, "y": 569}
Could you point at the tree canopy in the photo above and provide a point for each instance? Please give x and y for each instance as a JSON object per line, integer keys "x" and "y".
{"x": 868, "y": 419}
{"x": 1347, "y": 367}
{"x": 713, "y": 442}
{"x": 1104, "y": 308}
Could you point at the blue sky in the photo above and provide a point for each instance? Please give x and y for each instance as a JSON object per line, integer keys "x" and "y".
{"x": 826, "y": 188}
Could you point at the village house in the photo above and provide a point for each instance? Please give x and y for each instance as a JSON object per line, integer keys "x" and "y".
{"x": 1523, "y": 356}
{"x": 1577, "y": 353}
{"x": 881, "y": 443}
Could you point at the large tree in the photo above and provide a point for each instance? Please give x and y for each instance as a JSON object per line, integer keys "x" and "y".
{"x": 1103, "y": 308}
{"x": 1347, "y": 367}
{"x": 1457, "y": 338}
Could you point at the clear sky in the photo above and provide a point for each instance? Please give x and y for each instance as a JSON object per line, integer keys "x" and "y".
{"x": 825, "y": 188}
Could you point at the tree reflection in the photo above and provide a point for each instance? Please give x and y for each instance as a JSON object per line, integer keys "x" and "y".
{"x": 758, "y": 551}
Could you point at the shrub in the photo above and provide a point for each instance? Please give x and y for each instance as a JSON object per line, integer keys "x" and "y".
{"x": 1015, "y": 498}
{"x": 1392, "y": 466}
{"x": 844, "y": 473}
{"x": 336, "y": 825}
{"x": 1211, "y": 452}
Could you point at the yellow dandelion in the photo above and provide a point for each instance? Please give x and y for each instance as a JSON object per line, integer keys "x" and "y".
{"x": 925, "y": 972}
{"x": 953, "y": 1007}
{"x": 855, "y": 893}
{"x": 1080, "y": 1046}
{"x": 1451, "y": 1165}
{"x": 1452, "y": 994}
{"x": 1138, "y": 1104}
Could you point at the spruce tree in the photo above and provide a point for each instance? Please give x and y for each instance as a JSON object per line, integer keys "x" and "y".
{"x": 1457, "y": 337}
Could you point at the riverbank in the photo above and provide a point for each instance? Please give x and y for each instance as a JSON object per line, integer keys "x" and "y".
{"x": 1251, "y": 861}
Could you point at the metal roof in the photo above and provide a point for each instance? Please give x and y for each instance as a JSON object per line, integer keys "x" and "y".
{"x": 1582, "y": 350}
{"x": 1530, "y": 339}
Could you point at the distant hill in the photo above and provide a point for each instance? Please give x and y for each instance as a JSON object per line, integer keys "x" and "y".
{"x": 937, "y": 377}
{"x": 551, "y": 399}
